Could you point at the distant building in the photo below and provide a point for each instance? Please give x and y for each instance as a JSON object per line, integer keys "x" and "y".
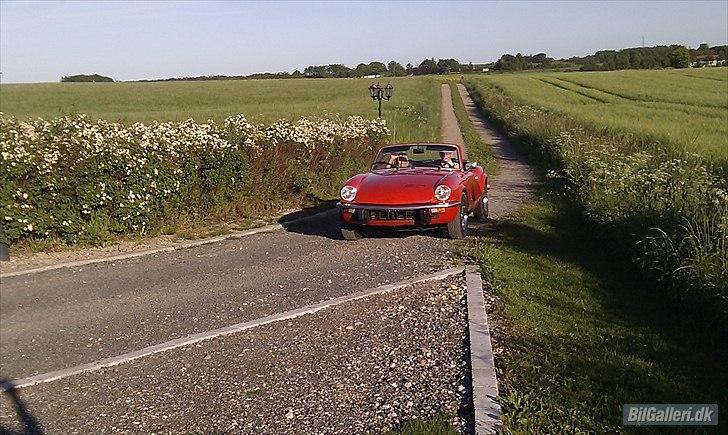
{"x": 486, "y": 69}
{"x": 707, "y": 60}
{"x": 372, "y": 76}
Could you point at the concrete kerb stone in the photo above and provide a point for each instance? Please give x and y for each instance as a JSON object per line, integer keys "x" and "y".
{"x": 485, "y": 384}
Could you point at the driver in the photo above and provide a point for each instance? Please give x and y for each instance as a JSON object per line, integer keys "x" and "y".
{"x": 399, "y": 160}
{"x": 447, "y": 161}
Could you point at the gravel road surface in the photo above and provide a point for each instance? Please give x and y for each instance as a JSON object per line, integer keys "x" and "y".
{"x": 361, "y": 367}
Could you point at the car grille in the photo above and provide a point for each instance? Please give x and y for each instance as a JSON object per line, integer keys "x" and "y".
{"x": 391, "y": 215}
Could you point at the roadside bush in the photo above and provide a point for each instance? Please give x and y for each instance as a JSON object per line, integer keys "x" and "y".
{"x": 83, "y": 181}
{"x": 665, "y": 208}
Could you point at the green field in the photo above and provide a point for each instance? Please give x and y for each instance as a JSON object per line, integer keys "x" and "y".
{"x": 413, "y": 113}
{"x": 680, "y": 109}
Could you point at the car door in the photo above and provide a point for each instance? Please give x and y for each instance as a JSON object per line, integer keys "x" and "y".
{"x": 472, "y": 182}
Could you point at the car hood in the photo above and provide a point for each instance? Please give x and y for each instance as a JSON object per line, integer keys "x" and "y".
{"x": 398, "y": 187}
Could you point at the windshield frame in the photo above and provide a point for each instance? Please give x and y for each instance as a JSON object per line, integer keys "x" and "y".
{"x": 406, "y": 148}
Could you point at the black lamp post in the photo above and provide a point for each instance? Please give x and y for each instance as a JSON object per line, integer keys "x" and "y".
{"x": 379, "y": 93}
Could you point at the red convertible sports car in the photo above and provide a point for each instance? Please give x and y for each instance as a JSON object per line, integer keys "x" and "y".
{"x": 415, "y": 185}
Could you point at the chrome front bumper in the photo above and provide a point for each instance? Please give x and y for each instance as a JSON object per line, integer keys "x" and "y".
{"x": 397, "y": 207}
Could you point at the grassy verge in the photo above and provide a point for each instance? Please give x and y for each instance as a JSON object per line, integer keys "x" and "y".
{"x": 438, "y": 425}
{"x": 584, "y": 334}
{"x": 478, "y": 150}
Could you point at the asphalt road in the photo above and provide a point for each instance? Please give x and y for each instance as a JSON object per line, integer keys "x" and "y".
{"x": 66, "y": 317}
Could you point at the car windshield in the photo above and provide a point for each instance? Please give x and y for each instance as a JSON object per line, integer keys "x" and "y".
{"x": 416, "y": 156}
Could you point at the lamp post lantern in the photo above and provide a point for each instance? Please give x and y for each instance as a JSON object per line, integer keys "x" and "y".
{"x": 379, "y": 93}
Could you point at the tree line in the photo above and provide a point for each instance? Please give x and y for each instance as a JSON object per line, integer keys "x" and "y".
{"x": 660, "y": 56}
{"x": 391, "y": 69}
{"x": 86, "y": 78}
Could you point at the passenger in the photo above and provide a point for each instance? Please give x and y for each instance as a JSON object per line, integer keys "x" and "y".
{"x": 447, "y": 161}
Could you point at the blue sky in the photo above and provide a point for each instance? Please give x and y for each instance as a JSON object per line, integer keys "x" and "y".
{"x": 41, "y": 41}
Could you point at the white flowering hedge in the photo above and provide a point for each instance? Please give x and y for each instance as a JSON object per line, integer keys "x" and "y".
{"x": 665, "y": 207}
{"x": 82, "y": 181}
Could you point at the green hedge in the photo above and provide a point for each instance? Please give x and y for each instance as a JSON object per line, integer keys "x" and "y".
{"x": 83, "y": 181}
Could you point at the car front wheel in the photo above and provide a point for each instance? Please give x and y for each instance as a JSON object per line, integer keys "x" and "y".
{"x": 458, "y": 228}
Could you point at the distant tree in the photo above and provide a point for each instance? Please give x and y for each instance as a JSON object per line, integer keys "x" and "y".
{"x": 635, "y": 60}
{"x": 621, "y": 60}
{"x": 314, "y": 71}
{"x": 470, "y": 66}
{"x": 704, "y": 50}
{"x": 296, "y": 74}
{"x": 363, "y": 70}
{"x": 520, "y": 62}
{"x": 442, "y": 67}
{"x": 86, "y": 78}
{"x": 409, "y": 69}
{"x": 537, "y": 58}
{"x": 377, "y": 68}
{"x": 722, "y": 51}
{"x": 505, "y": 63}
{"x": 338, "y": 70}
{"x": 679, "y": 57}
{"x": 395, "y": 69}
{"x": 428, "y": 66}
{"x": 447, "y": 65}
{"x": 508, "y": 62}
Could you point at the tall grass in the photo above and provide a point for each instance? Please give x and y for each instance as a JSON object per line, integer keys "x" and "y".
{"x": 664, "y": 208}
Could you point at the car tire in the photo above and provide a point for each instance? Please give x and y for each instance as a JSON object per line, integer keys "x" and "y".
{"x": 350, "y": 232}
{"x": 458, "y": 228}
{"x": 481, "y": 211}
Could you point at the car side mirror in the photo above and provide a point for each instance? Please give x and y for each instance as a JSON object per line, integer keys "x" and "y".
{"x": 469, "y": 166}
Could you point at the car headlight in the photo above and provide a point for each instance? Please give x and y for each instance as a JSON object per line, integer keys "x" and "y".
{"x": 442, "y": 192}
{"x": 348, "y": 193}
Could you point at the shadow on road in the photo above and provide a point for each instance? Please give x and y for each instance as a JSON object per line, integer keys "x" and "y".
{"x": 27, "y": 420}
{"x": 327, "y": 224}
